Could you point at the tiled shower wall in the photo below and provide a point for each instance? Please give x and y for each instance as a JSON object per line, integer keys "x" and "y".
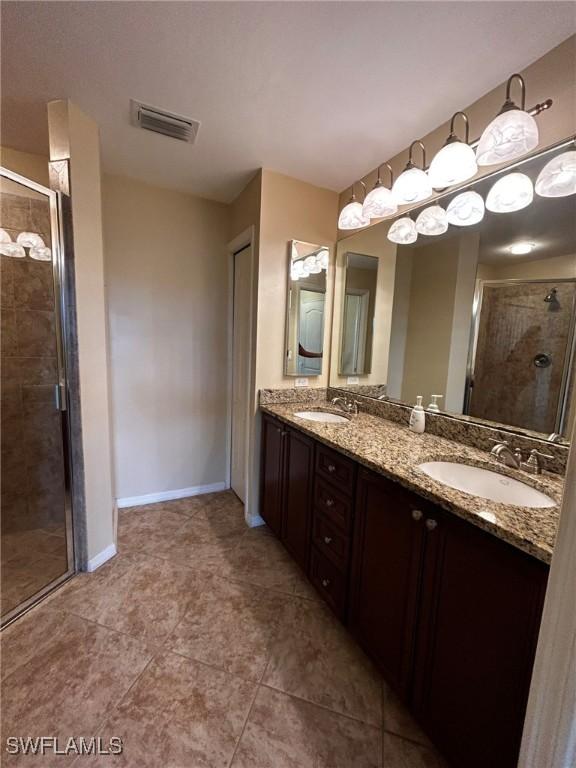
{"x": 32, "y": 476}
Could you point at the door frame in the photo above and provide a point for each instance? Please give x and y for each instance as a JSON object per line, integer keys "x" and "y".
{"x": 245, "y": 239}
{"x": 562, "y": 407}
{"x": 364, "y": 294}
{"x": 62, "y": 394}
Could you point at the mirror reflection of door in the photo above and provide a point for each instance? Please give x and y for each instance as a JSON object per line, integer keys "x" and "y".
{"x": 310, "y": 331}
{"x": 355, "y": 327}
{"x": 523, "y": 341}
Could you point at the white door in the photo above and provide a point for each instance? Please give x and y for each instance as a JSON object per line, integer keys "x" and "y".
{"x": 240, "y": 369}
{"x": 311, "y": 330}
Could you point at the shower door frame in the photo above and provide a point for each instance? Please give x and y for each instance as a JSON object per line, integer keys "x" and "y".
{"x": 562, "y": 406}
{"x": 61, "y": 393}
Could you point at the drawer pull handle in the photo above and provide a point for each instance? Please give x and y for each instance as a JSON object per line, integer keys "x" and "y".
{"x": 416, "y": 514}
{"x": 329, "y": 502}
{"x": 431, "y": 524}
{"x": 331, "y": 468}
{"x": 325, "y": 582}
{"x": 327, "y": 539}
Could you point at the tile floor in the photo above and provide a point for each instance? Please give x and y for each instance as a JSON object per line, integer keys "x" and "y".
{"x": 201, "y": 645}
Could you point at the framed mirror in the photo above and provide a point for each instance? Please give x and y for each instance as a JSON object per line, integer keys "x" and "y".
{"x": 306, "y": 308}
{"x": 357, "y": 333}
{"x": 479, "y": 318}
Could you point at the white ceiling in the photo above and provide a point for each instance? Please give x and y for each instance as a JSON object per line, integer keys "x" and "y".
{"x": 320, "y": 91}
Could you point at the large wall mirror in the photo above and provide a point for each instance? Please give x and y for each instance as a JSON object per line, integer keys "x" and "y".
{"x": 305, "y": 310}
{"x": 479, "y": 318}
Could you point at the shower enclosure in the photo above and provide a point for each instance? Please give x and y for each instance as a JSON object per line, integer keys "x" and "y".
{"x": 35, "y": 521}
{"x": 522, "y": 353}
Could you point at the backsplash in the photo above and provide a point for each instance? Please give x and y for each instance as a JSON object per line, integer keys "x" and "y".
{"x": 292, "y": 395}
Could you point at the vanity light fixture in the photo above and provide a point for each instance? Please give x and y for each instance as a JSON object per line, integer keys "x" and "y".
{"x": 512, "y": 133}
{"x": 4, "y": 236}
{"x": 456, "y": 161}
{"x": 40, "y": 253}
{"x": 14, "y": 250}
{"x": 30, "y": 240}
{"x": 522, "y": 248}
{"x": 558, "y": 177}
{"x": 465, "y": 209}
{"x": 413, "y": 184}
{"x": 380, "y": 202}
{"x": 432, "y": 221}
{"x": 510, "y": 193}
{"x": 323, "y": 258}
{"x": 352, "y": 216}
{"x": 403, "y": 231}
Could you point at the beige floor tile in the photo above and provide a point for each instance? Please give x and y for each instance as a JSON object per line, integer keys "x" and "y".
{"x": 284, "y": 732}
{"x": 315, "y": 659}
{"x": 398, "y": 720}
{"x": 260, "y": 559}
{"x": 133, "y": 593}
{"x": 230, "y": 626}
{"x": 399, "y": 753}
{"x": 65, "y": 674}
{"x": 145, "y": 529}
{"x": 180, "y": 714}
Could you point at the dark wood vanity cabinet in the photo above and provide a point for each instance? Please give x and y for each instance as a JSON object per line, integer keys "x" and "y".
{"x": 449, "y": 613}
{"x": 286, "y": 486}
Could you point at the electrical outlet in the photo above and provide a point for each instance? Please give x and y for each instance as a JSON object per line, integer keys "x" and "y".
{"x": 353, "y": 380}
{"x": 301, "y": 382}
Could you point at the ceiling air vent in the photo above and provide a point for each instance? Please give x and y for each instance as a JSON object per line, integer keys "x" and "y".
{"x": 166, "y": 123}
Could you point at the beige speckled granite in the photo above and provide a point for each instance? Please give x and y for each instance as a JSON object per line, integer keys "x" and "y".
{"x": 395, "y": 452}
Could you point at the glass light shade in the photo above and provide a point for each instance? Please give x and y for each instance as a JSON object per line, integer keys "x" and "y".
{"x": 432, "y": 221}
{"x": 351, "y": 216}
{"x": 324, "y": 258}
{"x": 466, "y": 209}
{"x": 379, "y": 202}
{"x": 454, "y": 163}
{"x": 310, "y": 263}
{"x": 510, "y": 193}
{"x": 403, "y": 231}
{"x": 412, "y": 186}
{"x": 40, "y": 253}
{"x": 12, "y": 249}
{"x": 30, "y": 240}
{"x": 510, "y": 135}
{"x": 558, "y": 177}
{"x": 4, "y": 236}
{"x": 297, "y": 268}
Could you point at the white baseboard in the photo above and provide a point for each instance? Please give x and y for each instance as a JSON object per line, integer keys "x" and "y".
{"x": 180, "y": 493}
{"x": 255, "y": 521}
{"x": 101, "y": 558}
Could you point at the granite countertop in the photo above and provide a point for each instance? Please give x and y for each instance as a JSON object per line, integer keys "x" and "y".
{"x": 394, "y": 451}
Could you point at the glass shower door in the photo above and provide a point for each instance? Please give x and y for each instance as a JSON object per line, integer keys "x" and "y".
{"x": 35, "y": 520}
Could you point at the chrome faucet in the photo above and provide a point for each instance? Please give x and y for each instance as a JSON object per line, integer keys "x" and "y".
{"x": 346, "y": 404}
{"x": 515, "y": 459}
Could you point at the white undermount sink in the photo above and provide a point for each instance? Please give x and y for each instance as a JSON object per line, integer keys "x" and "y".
{"x": 486, "y": 484}
{"x": 325, "y": 417}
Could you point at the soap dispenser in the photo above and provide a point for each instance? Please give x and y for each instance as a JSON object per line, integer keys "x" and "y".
{"x": 417, "y": 416}
{"x": 433, "y": 406}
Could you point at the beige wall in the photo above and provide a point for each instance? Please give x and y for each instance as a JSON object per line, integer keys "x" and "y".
{"x": 552, "y": 76}
{"x": 291, "y": 210}
{"x": 371, "y": 242}
{"x": 34, "y": 167}
{"x": 538, "y": 269}
{"x": 167, "y": 286}
{"x": 74, "y": 136}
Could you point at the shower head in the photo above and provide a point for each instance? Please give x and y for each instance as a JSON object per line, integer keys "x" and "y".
{"x": 552, "y": 300}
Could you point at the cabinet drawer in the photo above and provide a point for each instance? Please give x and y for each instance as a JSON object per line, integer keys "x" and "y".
{"x": 330, "y": 540}
{"x": 336, "y": 468}
{"x": 336, "y": 507}
{"x": 329, "y": 581}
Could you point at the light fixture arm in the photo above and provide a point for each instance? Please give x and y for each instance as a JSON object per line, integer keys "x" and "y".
{"x": 453, "y": 137}
{"x": 353, "y": 185}
{"x": 411, "y": 163}
{"x": 509, "y": 104}
{"x": 390, "y": 171}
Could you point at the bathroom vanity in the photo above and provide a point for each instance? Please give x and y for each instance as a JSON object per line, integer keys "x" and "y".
{"x": 442, "y": 589}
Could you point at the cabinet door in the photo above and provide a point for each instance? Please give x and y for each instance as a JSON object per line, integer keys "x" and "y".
{"x": 298, "y": 469}
{"x": 481, "y": 608}
{"x": 271, "y": 473}
{"x": 387, "y": 555}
